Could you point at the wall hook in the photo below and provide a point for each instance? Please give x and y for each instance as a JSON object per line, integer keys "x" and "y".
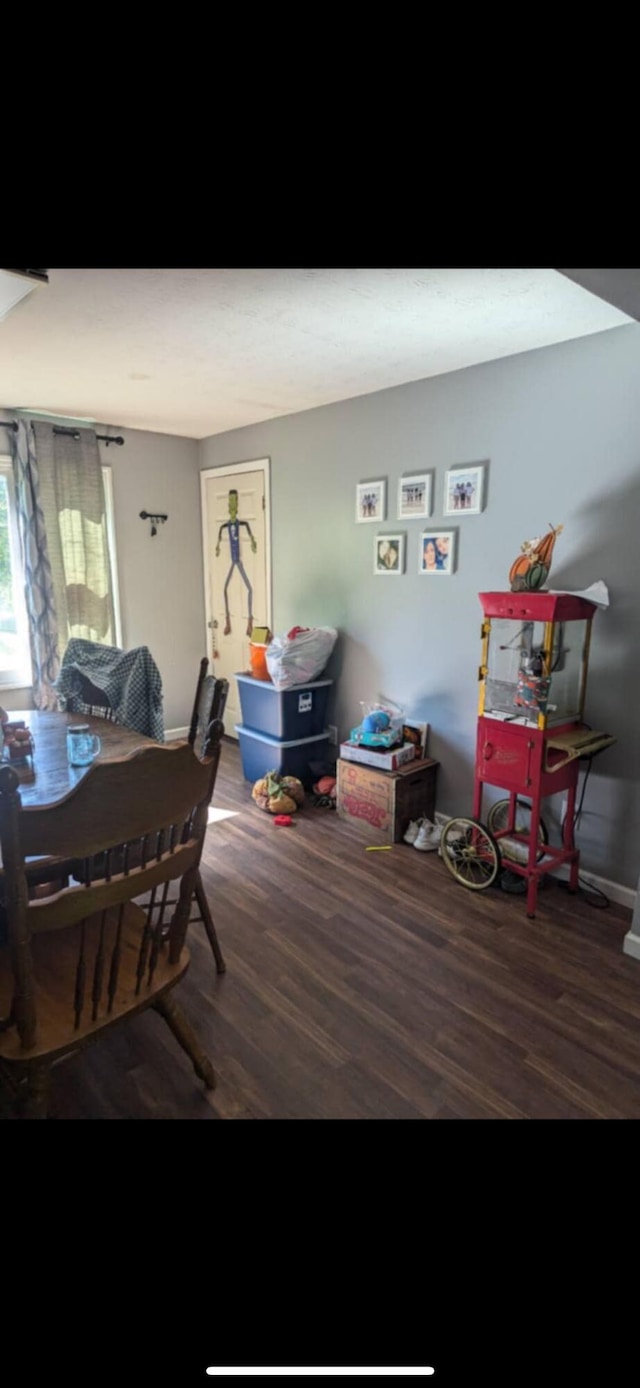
{"x": 156, "y": 520}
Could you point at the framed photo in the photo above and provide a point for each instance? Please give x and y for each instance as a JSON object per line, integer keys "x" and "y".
{"x": 414, "y": 496}
{"x": 371, "y": 500}
{"x": 388, "y": 554}
{"x": 463, "y": 491}
{"x": 437, "y": 551}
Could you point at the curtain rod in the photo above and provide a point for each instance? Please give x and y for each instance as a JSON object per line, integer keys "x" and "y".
{"x": 58, "y": 429}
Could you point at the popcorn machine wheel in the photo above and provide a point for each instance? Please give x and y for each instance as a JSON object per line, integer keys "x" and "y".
{"x": 530, "y": 739}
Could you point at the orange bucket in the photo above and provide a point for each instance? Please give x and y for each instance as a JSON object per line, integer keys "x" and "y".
{"x": 258, "y": 661}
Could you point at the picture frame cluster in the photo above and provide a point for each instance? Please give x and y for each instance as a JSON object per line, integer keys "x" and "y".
{"x": 463, "y": 495}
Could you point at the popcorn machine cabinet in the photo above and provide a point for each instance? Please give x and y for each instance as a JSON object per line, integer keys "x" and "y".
{"x": 531, "y": 738}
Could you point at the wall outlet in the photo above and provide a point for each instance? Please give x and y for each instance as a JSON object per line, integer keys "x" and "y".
{"x": 333, "y": 734}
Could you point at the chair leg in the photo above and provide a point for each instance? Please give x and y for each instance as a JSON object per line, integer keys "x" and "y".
{"x": 207, "y": 919}
{"x": 186, "y": 1037}
{"x": 36, "y": 1100}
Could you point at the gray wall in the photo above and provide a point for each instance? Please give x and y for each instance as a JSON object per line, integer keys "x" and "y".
{"x": 161, "y": 579}
{"x": 161, "y": 583}
{"x": 560, "y": 430}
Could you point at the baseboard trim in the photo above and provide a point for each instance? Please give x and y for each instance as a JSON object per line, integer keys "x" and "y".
{"x": 180, "y": 734}
{"x": 623, "y": 896}
{"x": 631, "y": 945}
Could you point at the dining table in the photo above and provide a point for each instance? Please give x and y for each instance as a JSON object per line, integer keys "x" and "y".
{"x": 45, "y": 775}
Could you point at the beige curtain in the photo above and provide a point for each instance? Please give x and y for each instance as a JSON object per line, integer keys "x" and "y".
{"x": 74, "y": 511}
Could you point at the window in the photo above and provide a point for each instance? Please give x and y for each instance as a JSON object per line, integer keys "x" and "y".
{"x": 15, "y": 660}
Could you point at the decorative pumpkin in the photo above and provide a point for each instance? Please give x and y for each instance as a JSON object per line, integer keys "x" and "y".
{"x": 278, "y": 794}
{"x": 519, "y": 568}
{"x": 531, "y": 569}
{"x": 293, "y": 787}
{"x": 545, "y": 548}
{"x": 282, "y": 804}
{"x": 535, "y": 577}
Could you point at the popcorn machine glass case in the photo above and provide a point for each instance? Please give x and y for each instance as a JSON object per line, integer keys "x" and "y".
{"x": 535, "y": 658}
{"x": 530, "y": 737}
{"x": 535, "y": 671}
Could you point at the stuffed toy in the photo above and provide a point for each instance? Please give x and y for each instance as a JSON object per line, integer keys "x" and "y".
{"x": 376, "y": 722}
{"x": 278, "y": 794}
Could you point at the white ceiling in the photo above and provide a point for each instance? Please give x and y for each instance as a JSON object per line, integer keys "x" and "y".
{"x": 197, "y": 352}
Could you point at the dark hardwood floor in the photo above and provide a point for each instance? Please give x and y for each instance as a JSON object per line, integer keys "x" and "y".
{"x": 371, "y": 985}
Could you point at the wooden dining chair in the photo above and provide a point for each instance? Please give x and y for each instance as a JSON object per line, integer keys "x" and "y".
{"x": 89, "y": 700}
{"x": 208, "y": 705}
{"x": 89, "y": 957}
{"x": 123, "y": 686}
{"x": 208, "y": 709}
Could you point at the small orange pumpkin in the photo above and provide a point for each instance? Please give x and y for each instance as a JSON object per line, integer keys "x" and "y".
{"x": 519, "y": 568}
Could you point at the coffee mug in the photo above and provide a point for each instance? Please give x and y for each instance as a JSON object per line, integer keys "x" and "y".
{"x": 82, "y": 745}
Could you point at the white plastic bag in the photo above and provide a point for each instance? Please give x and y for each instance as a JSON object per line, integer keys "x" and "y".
{"x": 300, "y": 659}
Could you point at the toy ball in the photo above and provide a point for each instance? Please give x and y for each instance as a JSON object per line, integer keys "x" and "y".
{"x": 325, "y": 786}
{"x": 375, "y": 722}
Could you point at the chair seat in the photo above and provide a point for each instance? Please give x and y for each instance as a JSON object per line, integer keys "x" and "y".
{"x": 55, "y": 955}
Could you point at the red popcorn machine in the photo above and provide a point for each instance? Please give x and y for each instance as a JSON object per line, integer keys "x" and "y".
{"x": 530, "y": 739}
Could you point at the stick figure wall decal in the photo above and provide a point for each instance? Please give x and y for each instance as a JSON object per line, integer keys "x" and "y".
{"x": 233, "y": 526}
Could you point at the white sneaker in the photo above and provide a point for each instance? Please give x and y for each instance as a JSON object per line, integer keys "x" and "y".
{"x": 428, "y": 838}
{"x": 413, "y": 830}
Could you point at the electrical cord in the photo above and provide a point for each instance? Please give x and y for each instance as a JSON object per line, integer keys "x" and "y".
{"x": 592, "y": 894}
{"x": 578, "y": 812}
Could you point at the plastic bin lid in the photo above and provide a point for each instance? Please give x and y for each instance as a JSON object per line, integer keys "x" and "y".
{"x": 276, "y": 741}
{"x": 250, "y": 679}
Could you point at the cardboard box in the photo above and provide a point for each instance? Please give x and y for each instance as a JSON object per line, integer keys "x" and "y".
{"x": 385, "y": 802}
{"x": 385, "y": 761}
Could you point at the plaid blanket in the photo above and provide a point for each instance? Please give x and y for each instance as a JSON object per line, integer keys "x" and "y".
{"x": 130, "y": 681}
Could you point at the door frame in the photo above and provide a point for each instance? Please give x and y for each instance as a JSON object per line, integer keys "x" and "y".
{"x": 256, "y": 465}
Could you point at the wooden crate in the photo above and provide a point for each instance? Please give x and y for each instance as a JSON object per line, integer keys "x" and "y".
{"x": 386, "y": 801}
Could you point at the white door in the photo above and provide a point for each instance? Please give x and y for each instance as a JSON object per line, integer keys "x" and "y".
{"x": 236, "y": 568}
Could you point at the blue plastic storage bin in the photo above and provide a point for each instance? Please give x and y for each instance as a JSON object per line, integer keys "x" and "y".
{"x": 288, "y": 714}
{"x": 261, "y": 753}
